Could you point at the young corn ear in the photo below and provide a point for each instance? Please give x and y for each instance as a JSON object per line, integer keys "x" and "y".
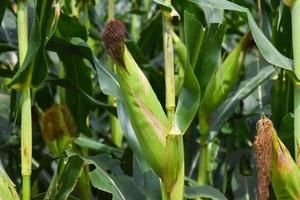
{"x": 225, "y": 77}
{"x": 146, "y": 114}
{"x": 173, "y": 174}
{"x": 222, "y": 82}
{"x": 58, "y": 128}
{"x": 7, "y": 187}
{"x": 274, "y": 164}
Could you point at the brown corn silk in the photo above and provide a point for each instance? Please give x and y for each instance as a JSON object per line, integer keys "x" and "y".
{"x": 58, "y": 128}
{"x": 275, "y": 164}
{"x": 113, "y": 37}
{"x": 263, "y": 153}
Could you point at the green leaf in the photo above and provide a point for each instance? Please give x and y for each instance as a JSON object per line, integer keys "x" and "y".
{"x": 41, "y": 196}
{"x": 188, "y": 101}
{"x": 7, "y": 187}
{"x": 122, "y": 187}
{"x": 225, "y": 78}
{"x": 189, "y": 96}
{"x": 246, "y": 88}
{"x": 108, "y": 82}
{"x": 69, "y": 85}
{"x": 5, "y": 71}
{"x": 4, "y": 47}
{"x": 194, "y": 32}
{"x": 209, "y": 54}
{"x": 149, "y": 34}
{"x": 3, "y": 6}
{"x": 22, "y": 76}
{"x": 69, "y": 27}
{"x": 84, "y": 141}
{"x": 286, "y": 132}
{"x": 164, "y": 5}
{"x": 65, "y": 178}
{"x": 203, "y": 192}
{"x": 80, "y": 74}
{"x": 34, "y": 68}
{"x": 76, "y": 46}
{"x": 204, "y": 47}
{"x": 268, "y": 51}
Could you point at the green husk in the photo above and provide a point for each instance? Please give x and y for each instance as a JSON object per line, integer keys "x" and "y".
{"x": 217, "y": 90}
{"x": 146, "y": 114}
{"x": 275, "y": 164}
{"x": 173, "y": 176}
{"x": 116, "y": 130}
{"x": 7, "y": 187}
{"x": 225, "y": 77}
{"x": 288, "y": 3}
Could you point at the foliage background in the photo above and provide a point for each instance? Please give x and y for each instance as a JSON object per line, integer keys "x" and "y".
{"x": 70, "y": 64}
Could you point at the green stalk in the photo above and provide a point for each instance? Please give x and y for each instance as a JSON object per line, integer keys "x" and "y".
{"x": 204, "y": 168}
{"x": 169, "y": 63}
{"x": 295, "y": 12}
{"x": 26, "y": 126}
{"x": 111, "y": 11}
{"x": 173, "y": 173}
{"x": 204, "y": 172}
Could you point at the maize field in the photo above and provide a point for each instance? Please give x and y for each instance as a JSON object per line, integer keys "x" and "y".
{"x": 149, "y": 100}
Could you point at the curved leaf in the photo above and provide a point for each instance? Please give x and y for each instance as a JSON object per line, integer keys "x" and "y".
{"x": 268, "y": 51}
{"x": 67, "y": 84}
{"x": 21, "y": 78}
{"x": 34, "y": 68}
{"x": 76, "y": 46}
{"x": 3, "y": 6}
{"x": 203, "y": 192}
{"x": 122, "y": 187}
{"x": 245, "y": 88}
{"x": 65, "y": 178}
{"x": 7, "y": 187}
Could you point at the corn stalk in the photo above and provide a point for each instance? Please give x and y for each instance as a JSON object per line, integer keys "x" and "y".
{"x": 173, "y": 174}
{"x": 217, "y": 90}
{"x": 169, "y": 62}
{"x": 26, "y": 126}
{"x": 295, "y": 11}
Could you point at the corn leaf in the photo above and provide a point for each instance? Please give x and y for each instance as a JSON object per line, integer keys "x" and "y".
{"x": 7, "y": 187}
{"x": 203, "y": 192}
{"x": 35, "y": 67}
{"x": 108, "y": 176}
{"x": 246, "y": 87}
{"x": 268, "y": 51}
{"x": 3, "y": 6}
{"x": 65, "y": 178}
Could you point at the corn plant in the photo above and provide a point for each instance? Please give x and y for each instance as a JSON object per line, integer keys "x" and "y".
{"x": 110, "y": 99}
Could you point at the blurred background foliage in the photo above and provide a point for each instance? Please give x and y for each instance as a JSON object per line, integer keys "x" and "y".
{"x": 71, "y": 68}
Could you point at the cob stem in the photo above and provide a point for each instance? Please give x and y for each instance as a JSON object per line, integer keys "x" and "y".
{"x": 204, "y": 172}
{"x": 110, "y": 9}
{"x": 175, "y": 190}
{"x": 204, "y": 169}
{"x": 169, "y": 63}
{"x": 295, "y": 12}
{"x": 26, "y": 126}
